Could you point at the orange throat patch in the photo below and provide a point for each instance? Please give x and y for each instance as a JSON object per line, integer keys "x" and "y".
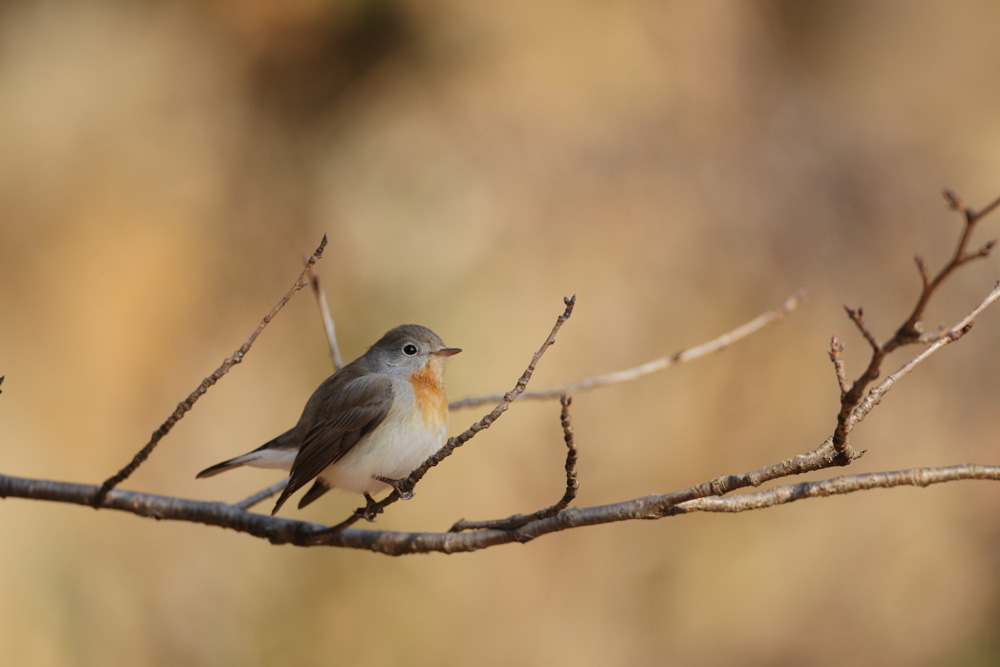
{"x": 428, "y": 391}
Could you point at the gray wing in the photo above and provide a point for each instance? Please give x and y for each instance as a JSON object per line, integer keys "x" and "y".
{"x": 341, "y": 412}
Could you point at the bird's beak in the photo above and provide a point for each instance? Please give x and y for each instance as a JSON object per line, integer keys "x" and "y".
{"x": 447, "y": 351}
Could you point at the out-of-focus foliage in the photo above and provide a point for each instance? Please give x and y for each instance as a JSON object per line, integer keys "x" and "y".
{"x": 680, "y": 166}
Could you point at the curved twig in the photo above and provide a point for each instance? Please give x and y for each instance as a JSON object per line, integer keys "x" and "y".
{"x": 626, "y": 375}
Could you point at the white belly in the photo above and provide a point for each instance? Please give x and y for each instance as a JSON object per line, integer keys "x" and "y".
{"x": 392, "y": 450}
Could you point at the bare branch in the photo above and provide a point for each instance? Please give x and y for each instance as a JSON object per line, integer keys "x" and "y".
{"x": 956, "y": 204}
{"x": 909, "y": 331}
{"x": 261, "y": 495}
{"x": 824, "y": 456}
{"x": 839, "y": 486}
{"x": 189, "y": 402}
{"x": 925, "y": 276}
{"x": 287, "y": 531}
{"x": 154, "y": 506}
{"x": 572, "y": 485}
{"x": 857, "y": 316}
{"x": 982, "y": 251}
{"x": 324, "y": 311}
{"x": 629, "y": 374}
{"x": 836, "y": 352}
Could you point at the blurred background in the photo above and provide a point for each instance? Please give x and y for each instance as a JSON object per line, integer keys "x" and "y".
{"x": 679, "y": 166}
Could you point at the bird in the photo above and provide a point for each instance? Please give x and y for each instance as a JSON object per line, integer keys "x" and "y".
{"x": 367, "y": 426}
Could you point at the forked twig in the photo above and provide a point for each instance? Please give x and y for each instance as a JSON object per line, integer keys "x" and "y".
{"x": 874, "y": 396}
{"x": 189, "y": 402}
{"x": 572, "y": 485}
{"x": 909, "y": 331}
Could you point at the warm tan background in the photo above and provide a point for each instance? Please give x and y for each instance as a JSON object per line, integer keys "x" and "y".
{"x": 680, "y": 166}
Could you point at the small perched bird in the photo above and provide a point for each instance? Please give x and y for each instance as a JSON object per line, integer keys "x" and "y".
{"x": 367, "y": 426}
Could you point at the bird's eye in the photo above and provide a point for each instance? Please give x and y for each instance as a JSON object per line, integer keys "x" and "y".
{"x": 409, "y": 349}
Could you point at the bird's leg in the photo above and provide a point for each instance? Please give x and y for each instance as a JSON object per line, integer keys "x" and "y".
{"x": 370, "y": 510}
{"x": 397, "y": 485}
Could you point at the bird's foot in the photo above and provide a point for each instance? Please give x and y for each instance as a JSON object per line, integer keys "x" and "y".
{"x": 397, "y": 485}
{"x": 370, "y": 510}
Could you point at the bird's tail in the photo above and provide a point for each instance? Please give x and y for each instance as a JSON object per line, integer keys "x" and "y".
{"x": 277, "y": 453}
{"x": 224, "y": 466}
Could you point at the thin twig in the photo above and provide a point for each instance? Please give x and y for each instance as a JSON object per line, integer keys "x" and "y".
{"x": 857, "y": 316}
{"x": 324, "y": 311}
{"x": 572, "y": 485}
{"x": 261, "y": 495}
{"x": 189, "y": 402}
{"x": 836, "y": 356}
{"x": 925, "y": 276}
{"x": 454, "y": 443}
{"x": 838, "y": 486}
{"x": 629, "y": 374}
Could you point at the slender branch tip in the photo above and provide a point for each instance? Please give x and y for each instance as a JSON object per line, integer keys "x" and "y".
{"x": 954, "y": 202}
